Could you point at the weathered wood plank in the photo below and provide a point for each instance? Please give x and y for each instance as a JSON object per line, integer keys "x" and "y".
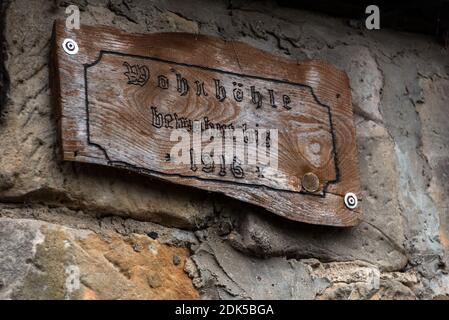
{"x": 122, "y": 97}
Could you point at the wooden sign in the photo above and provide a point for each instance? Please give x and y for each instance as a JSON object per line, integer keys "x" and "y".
{"x": 211, "y": 114}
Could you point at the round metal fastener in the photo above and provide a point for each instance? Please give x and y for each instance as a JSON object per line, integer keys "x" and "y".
{"x": 351, "y": 200}
{"x": 310, "y": 182}
{"x": 70, "y": 46}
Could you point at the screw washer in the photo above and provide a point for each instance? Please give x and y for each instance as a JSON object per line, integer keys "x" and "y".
{"x": 351, "y": 200}
{"x": 70, "y": 46}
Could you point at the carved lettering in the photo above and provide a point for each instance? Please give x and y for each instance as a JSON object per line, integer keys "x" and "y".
{"x": 200, "y": 88}
{"x": 256, "y": 97}
{"x": 286, "y": 100}
{"x": 193, "y": 166}
{"x": 157, "y": 120}
{"x": 162, "y": 82}
{"x": 238, "y": 92}
{"x": 236, "y": 169}
{"x": 182, "y": 84}
{"x": 272, "y": 101}
{"x": 220, "y": 91}
{"x": 137, "y": 74}
{"x": 208, "y": 163}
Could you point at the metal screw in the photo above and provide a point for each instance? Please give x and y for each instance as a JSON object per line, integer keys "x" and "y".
{"x": 310, "y": 182}
{"x": 351, "y": 200}
{"x": 70, "y": 46}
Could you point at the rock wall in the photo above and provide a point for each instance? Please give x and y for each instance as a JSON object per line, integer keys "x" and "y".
{"x": 73, "y": 231}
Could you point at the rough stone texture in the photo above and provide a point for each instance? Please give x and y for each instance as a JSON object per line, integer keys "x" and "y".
{"x": 39, "y": 260}
{"x": 222, "y": 273}
{"x": 434, "y": 116}
{"x": 359, "y": 280}
{"x": 225, "y": 273}
{"x": 268, "y": 236}
{"x": 92, "y": 219}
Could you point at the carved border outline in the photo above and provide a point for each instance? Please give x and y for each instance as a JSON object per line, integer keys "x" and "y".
{"x": 142, "y": 170}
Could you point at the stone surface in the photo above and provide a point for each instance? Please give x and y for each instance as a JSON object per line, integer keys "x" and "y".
{"x": 46, "y": 261}
{"x": 268, "y": 236}
{"x": 219, "y": 272}
{"x": 434, "y": 116}
{"x": 225, "y": 273}
{"x": 3, "y": 74}
{"x": 365, "y": 78}
{"x": 58, "y": 219}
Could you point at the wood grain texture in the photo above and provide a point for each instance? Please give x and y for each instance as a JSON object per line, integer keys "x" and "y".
{"x": 122, "y": 95}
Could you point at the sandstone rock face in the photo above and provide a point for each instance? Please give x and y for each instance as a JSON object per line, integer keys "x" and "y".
{"x": 74, "y": 231}
{"x": 45, "y": 261}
